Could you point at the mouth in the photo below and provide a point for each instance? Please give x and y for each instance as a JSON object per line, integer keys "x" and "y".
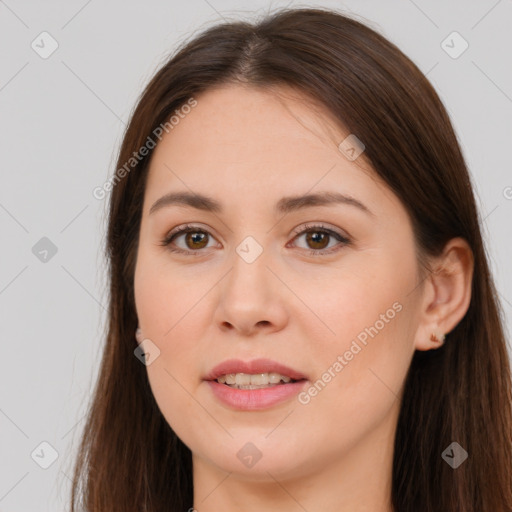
{"x": 254, "y": 385}
{"x": 254, "y": 381}
{"x": 257, "y": 372}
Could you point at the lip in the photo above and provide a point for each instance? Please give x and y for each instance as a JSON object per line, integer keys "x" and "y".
{"x": 254, "y": 399}
{"x": 253, "y": 367}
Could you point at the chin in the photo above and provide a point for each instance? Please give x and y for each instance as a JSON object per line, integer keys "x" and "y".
{"x": 252, "y": 464}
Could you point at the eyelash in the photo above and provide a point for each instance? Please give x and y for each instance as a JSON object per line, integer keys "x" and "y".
{"x": 188, "y": 228}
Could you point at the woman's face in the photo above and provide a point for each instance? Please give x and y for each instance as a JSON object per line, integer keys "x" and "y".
{"x": 323, "y": 288}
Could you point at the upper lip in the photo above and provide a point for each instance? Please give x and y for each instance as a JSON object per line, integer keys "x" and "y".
{"x": 254, "y": 366}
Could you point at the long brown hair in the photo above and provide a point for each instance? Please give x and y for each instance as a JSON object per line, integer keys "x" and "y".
{"x": 130, "y": 459}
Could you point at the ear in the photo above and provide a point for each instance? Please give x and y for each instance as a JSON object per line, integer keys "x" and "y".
{"x": 446, "y": 294}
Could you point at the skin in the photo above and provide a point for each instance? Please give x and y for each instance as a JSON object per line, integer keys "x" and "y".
{"x": 247, "y": 148}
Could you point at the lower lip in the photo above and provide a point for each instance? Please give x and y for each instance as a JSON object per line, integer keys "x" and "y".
{"x": 255, "y": 399}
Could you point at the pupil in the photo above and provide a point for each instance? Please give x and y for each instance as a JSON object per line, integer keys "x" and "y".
{"x": 197, "y": 237}
{"x": 317, "y": 237}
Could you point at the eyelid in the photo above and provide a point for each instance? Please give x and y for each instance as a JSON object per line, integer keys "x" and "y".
{"x": 184, "y": 227}
{"x": 319, "y": 226}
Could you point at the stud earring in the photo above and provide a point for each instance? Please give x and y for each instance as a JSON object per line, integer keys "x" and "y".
{"x": 438, "y": 338}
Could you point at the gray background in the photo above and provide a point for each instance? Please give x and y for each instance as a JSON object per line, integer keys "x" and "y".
{"x": 61, "y": 122}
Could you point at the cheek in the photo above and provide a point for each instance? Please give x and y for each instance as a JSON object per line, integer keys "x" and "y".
{"x": 168, "y": 308}
{"x": 164, "y": 298}
{"x": 365, "y": 347}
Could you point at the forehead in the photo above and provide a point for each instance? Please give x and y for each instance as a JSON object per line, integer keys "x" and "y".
{"x": 249, "y": 143}
{"x": 247, "y": 120}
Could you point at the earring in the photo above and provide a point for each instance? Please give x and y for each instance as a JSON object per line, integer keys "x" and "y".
{"x": 438, "y": 338}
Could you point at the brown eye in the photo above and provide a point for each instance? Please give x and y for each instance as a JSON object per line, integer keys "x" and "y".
{"x": 195, "y": 239}
{"x": 317, "y": 239}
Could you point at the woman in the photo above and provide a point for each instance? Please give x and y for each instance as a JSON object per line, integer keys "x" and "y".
{"x": 301, "y": 310}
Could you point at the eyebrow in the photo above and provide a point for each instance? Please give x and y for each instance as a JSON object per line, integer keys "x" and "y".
{"x": 284, "y": 205}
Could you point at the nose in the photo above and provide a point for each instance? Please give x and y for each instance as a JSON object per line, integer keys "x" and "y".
{"x": 251, "y": 299}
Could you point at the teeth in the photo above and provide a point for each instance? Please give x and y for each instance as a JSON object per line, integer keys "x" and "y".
{"x": 242, "y": 379}
{"x": 260, "y": 379}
